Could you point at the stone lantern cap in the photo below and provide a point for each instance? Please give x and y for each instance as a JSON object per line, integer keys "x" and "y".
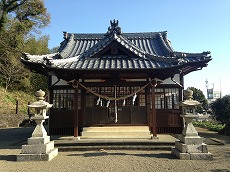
{"x": 189, "y": 103}
{"x": 40, "y": 103}
{"x": 188, "y": 94}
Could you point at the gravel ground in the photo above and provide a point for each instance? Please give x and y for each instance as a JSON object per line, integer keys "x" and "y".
{"x": 116, "y": 161}
{"x": 121, "y": 160}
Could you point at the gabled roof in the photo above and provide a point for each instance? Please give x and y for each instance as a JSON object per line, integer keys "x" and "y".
{"x": 133, "y": 51}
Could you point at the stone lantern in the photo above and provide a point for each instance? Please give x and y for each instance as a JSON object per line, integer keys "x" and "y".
{"x": 39, "y": 147}
{"x": 190, "y": 145}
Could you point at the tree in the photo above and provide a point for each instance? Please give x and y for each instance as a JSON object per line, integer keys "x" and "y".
{"x": 54, "y": 49}
{"x": 11, "y": 70}
{"x": 38, "y": 81}
{"x": 199, "y": 96}
{"x": 10, "y": 73}
{"x": 28, "y": 13}
{"x": 221, "y": 111}
{"x": 18, "y": 20}
{"x": 39, "y": 47}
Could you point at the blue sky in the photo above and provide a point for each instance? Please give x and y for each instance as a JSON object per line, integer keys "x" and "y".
{"x": 193, "y": 26}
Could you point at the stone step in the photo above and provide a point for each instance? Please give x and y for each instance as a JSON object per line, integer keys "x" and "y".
{"x": 116, "y": 132}
{"x": 116, "y": 135}
{"x": 114, "y": 144}
{"x": 116, "y": 128}
{"x": 113, "y": 147}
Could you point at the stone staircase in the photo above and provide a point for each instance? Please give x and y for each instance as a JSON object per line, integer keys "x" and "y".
{"x": 116, "y": 144}
{"x": 114, "y": 138}
{"x": 116, "y": 132}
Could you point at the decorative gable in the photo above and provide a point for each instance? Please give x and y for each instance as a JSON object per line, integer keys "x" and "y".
{"x": 114, "y": 43}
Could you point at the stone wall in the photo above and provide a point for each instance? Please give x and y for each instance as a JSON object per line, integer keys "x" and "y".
{"x": 11, "y": 120}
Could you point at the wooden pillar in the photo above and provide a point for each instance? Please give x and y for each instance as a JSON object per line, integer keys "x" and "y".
{"x": 83, "y": 105}
{"x": 148, "y": 108}
{"x": 76, "y": 113}
{"x": 181, "y": 89}
{"x": 154, "y": 123}
{"x": 50, "y": 119}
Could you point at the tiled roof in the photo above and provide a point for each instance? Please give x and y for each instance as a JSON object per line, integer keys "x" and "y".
{"x": 153, "y": 43}
{"x": 111, "y": 62}
{"x": 148, "y": 50}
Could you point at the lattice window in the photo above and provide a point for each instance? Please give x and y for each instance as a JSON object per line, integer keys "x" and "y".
{"x": 122, "y": 92}
{"x": 91, "y": 99}
{"x": 90, "y": 102}
{"x": 159, "y": 98}
{"x": 166, "y": 98}
{"x": 64, "y": 99}
{"x": 141, "y": 100}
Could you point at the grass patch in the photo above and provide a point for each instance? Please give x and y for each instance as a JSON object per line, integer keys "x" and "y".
{"x": 209, "y": 125}
{"x": 8, "y": 101}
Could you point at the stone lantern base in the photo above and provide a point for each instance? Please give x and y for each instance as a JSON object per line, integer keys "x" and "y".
{"x": 190, "y": 146}
{"x": 38, "y": 149}
{"x": 191, "y": 149}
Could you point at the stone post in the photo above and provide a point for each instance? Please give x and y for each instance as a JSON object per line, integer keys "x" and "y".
{"x": 190, "y": 145}
{"x": 39, "y": 147}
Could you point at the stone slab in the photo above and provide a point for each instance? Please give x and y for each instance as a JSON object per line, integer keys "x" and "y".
{"x": 38, "y": 140}
{"x": 184, "y": 148}
{"x": 191, "y": 156}
{"x": 192, "y": 140}
{"x": 179, "y": 155}
{"x": 205, "y": 148}
{"x": 201, "y": 156}
{"x": 38, "y": 157}
{"x": 37, "y": 149}
{"x": 141, "y": 132}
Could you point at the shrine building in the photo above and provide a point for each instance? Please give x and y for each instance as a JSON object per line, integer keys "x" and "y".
{"x": 115, "y": 79}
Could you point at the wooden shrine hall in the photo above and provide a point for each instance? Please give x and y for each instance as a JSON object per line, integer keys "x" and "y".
{"x": 115, "y": 79}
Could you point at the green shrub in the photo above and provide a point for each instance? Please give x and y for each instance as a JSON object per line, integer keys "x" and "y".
{"x": 209, "y": 125}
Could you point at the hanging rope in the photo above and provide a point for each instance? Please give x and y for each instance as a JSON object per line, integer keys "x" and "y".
{"x": 75, "y": 84}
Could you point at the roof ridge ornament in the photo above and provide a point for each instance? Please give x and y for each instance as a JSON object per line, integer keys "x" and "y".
{"x": 65, "y": 34}
{"x": 114, "y": 28}
{"x": 182, "y": 59}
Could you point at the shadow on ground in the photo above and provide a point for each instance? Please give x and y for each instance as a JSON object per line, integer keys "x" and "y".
{"x": 7, "y": 157}
{"x": 14, "y": 138}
